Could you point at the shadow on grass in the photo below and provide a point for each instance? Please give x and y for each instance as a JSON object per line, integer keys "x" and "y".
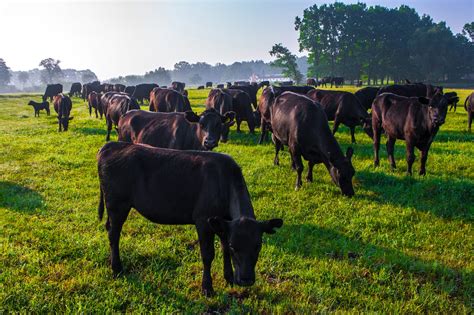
{"x": 19, "y": 198}
{"x": 454, "y": 136}
{"x": 310, "y": 241}
{"x": 91, "y": 131}
{"x": 447, "y": 198}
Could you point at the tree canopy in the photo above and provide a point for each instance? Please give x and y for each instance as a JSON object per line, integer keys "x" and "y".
{"x": 52, "y": 70}
{"x": 286, "y": 61}
{"x": 5, "y": 74}
{"x": 356, "y": 41}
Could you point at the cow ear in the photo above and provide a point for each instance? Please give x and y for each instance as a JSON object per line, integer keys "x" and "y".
{"x": 218, "y": 225}
{"x": 70, "y": 118}
{"x": 423, "y": 100}
{"x": 270, "y": 225}
{"x": 228, "y": 118}
{"x": 349, "y": 152}
{"x": 191, "y": 116}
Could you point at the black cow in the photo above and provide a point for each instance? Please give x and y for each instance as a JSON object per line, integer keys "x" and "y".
{"x": 39, "y": 106}
{"x": 52, "y": 90}
{"x": 343, "y": 108}
{"x": 337, "y": 81}
{"x": 242, "y": 106}
{"x": 201, "y": 87}
{"x": 241, "y": 83}
{"x": 76, "y": 89}
{"x": 291, "y": 88}
{"x": 286, "y": 83}
{"x": 167, "y": 100}
{"x": 324, "y": 81}
{"x": 118, "y": 104}
{"x": 178, "y": 86}
{"x": 129, "y": 90}
{"x": 180, "y": 131}
{"x": 301, "y": 124}
{"x": 62, "y": 107}
{"x": 119, "y": 87}
{"x": 251, "y": 90}
{"x": 142, "y": 91}
{"x": 93, "y": 101}
{"x": 469, "y": 107}
{"x": 89, "y": 88}
{"x": 311, "y": 81}
{"x": 411, "y": 90}
{"x": 216, "y": 200}
{"x": 415, "y": 120}
{"x": 209, "y": 84}
{"x": 454, "y": 103}
{"x": 366, "y": 96}
{"x": 220, "y": 86}
{"x": 222, "y": 103}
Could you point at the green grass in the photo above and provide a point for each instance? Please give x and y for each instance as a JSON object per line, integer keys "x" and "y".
{"x": 402, "y": 244}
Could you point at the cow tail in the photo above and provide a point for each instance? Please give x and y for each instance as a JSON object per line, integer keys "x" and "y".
{"x": 465, "y": 102}
{"x": 101, "y": 204}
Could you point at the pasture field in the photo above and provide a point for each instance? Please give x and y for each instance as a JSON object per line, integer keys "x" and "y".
{"x": 402, "y": 244}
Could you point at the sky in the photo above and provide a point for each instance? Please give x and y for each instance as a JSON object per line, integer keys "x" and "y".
{"x": 115, "y": 38}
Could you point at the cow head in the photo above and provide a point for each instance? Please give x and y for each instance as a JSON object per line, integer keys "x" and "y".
{"x": 243, "y": 239}
{"x": 366, "y": 123}
{"x": 342, "y": 171}
{"x": 64, "y": 121}
{"x": 211, "y": 124}
{"x": 437, "y": 108}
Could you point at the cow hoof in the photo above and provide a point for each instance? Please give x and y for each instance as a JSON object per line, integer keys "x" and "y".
{"x": 376, "y": 163}
{"x": 276, "y": 162}
{"x": 208, "y": 292}
{"x": 422, "y": 173}
{"x": 309, "y": 180}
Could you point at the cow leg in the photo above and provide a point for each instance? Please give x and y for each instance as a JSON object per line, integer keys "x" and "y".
{"x": 410, "y": 157}
{"x": 109, "y": 128}
{"x": 336, "y": 126}
{"x": 469, "y": 120}
{"x": 116, "y": 218}
{"x": 353, "y": 139}
{"x": 309, "y": 176}
{"x": 60, "y": 126}
{"x": 298, "y": 163}
{"x": 238, "y": 122}
{"x": 377, "y": 135}
{"x": 228, "y": 271}
{"x": 96, "y": 115}
{"x": 276, "y": 160}
{"x": 390, "y": 152}
{"x": 424, "y": 157}
{"x": 90, "y": 110}
{"x": 264, "y": 130}
{"x": 206, "y": 244}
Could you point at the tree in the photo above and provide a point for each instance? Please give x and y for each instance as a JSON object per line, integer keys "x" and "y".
{"x": 286, "y": 61}
{"x": 468, "y": 29}
{"x": 195, "y": 78}
{"x": 23, "y": 77}
{"x": 161, "y": 76}
{"x": 88, "y": 76}
{"x": 5, "y": 74}
{"x": 52, "y": 70}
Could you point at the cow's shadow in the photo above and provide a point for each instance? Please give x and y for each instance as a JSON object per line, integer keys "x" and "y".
{"x": 19, "y": 198}
{"x": 311, "y": 241}
{"x": 427, "y": 194}
{"x": 454, "y": 136}
{"x": 91, "y": 131}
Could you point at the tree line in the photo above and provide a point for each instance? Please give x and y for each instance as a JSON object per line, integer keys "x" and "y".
{"x": 378, "y": 43}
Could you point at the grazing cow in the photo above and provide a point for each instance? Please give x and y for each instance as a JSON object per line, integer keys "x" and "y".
{"x": 129, "y": 90}
{"x": 76, "y": 89}
{"x": 291, "y": 88}
{"x": 343, "y": 108}
{"x": 106, "y": 87}
{"x": 52, "y": 90}
{"x": 337, "y": 81}
{"x": 358, "y": 83}
{"x": 180, "y": 131}
{"x": 242, "y": 106}
{"x": 241, "y": 83}
{"x": 142, "y": 91}
{"x": 201, "y": 87}
{"x": 311, "y": 81}
{"x": 264, "y": 108}
{"x": 220, "y": 86}
{"x": 222, "y": 103}
{"x": 119, "y": 87}
{"x": 301, "y": 124}
{"x": 118, "y": 104}
{"x": 469, "y": 107}
{"x": 209, "y": 84}
{"x": 286, "y": 83}
{"x": 411, "y": 90}
{"x": 415, "y": 120}
{"x": 39, "y": 106}
{"x": 178, "y": 86}
{"x": 228, "y": 85}
{"x": 94, "y": 102}
{"x": 454, "y": 103}
{"x": 324, "y": 81}
{"x": 366, "y": 96}
{"x": 167, "y": 100}
{"x": 251, "y": 90}
{"x": 62, "y": 107}
{"x": 216, "y": 200}
{"x": 90, "y": 87}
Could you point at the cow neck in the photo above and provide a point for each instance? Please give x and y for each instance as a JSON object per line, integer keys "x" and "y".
{"x": 197, "y": 130}
{"x": 427, "y": 124}
{"x": 239, "y": 201}
{"x": 330, "y": 147}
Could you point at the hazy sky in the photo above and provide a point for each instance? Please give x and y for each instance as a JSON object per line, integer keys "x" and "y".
{"x": 120, "y": 38}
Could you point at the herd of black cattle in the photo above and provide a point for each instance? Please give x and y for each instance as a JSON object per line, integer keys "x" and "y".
{"x": 140, "y": 171}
